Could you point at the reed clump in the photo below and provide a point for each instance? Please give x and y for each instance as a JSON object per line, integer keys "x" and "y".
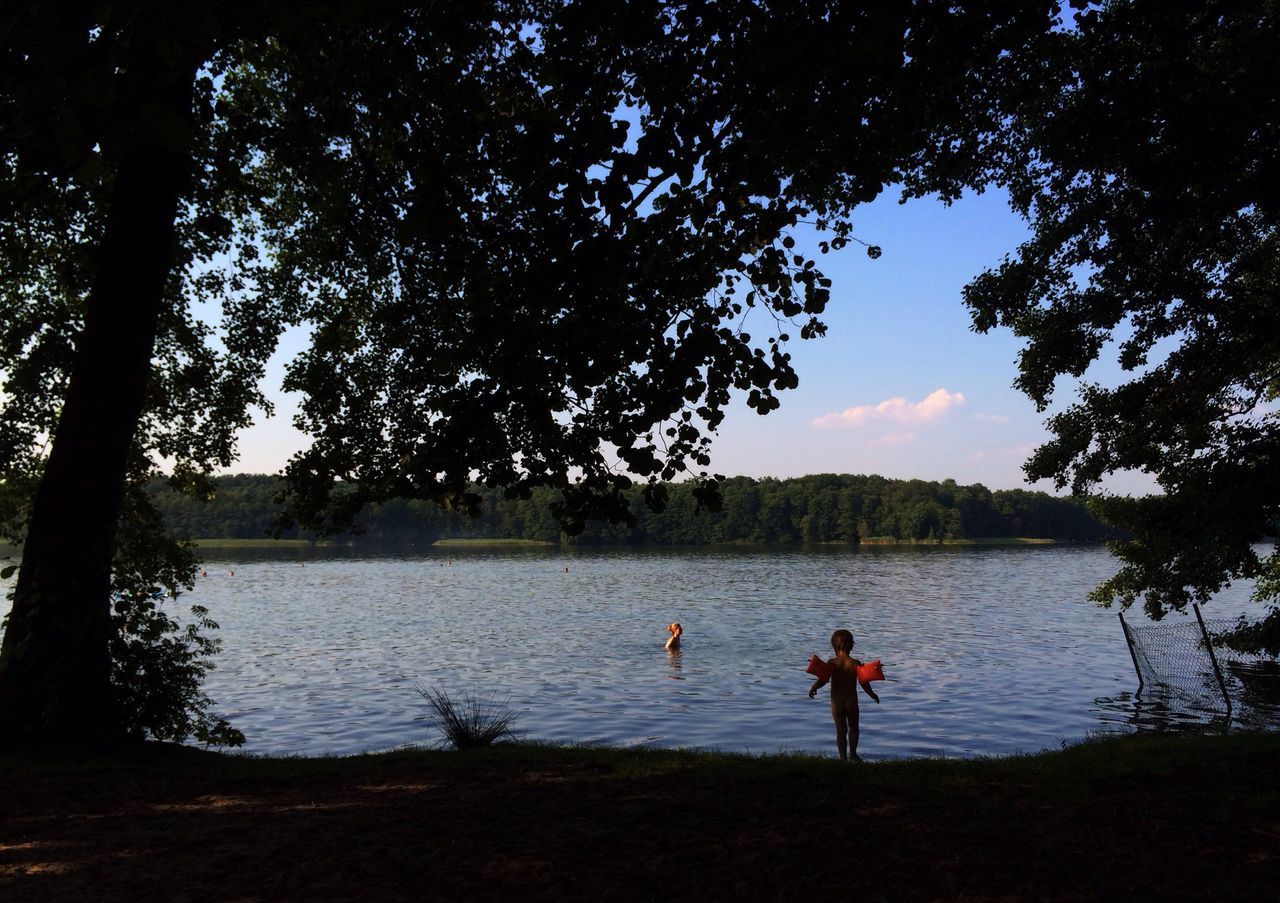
{"x": 469, "y": 721}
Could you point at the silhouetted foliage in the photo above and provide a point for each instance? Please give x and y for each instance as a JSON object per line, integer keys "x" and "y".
{"x": 158, "y": 662}
{"x": 517, "y": 233}
{"x": 1144, "y": 154}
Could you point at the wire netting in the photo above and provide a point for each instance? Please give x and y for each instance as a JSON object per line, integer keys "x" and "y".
{"x": 1175, "y": 656}
{"x": 1252, "y": 679}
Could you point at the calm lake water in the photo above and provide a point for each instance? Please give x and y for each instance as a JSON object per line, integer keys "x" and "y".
{"x": 986, "y": 650}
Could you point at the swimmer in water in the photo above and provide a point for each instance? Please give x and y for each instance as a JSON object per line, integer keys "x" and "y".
{"x": 673, "y": 644}
{"x": 844, "y": 694}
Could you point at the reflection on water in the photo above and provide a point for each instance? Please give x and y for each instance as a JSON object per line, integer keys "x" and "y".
{"x": 1164, "y": 710}
{"x": 985, "y": 651}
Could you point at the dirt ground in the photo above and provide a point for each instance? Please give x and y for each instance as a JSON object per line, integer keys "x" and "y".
{"x": 179, "y": 824}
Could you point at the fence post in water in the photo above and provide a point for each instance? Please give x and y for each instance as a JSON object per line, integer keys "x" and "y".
{"x": 1222, "y": 684}
{"x": 1133, "y": 655}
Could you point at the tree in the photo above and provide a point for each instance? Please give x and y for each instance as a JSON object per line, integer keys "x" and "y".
{"x": 1144, "y": 156}
{"x": 96, "y": 155}
{"x": 520, "y": 234}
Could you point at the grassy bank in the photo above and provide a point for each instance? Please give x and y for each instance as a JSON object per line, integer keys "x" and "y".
{"x": 977, "y": 541}
{"x": 482, "y": 543}
{"x": 263, "y": 543}
{"x": 485, "y": 543}
{"x": 1155, "y": 817}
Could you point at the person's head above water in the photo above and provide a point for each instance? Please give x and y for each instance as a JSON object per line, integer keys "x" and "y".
{"x": 675, "y": 628}
{"x": 842, "y": 641}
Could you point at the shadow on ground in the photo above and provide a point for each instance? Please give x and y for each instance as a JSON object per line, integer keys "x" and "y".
{"x": 1119, "y": 819}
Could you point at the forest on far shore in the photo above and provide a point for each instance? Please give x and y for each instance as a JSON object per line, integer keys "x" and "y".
{"x": 821, "y": 508}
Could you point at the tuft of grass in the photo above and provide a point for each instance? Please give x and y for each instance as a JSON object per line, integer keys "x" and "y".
{"x": 469, "y": 722}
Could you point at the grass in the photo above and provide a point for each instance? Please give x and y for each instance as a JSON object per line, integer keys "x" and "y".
{"x": 1151, "y": 817}
{"x": 470, "y": 721}
{"x": 481, "y": 543}
{"x": 976, "y": 541}
{"x": 1007, "y": 541}
{"x": 459, "y": 542}
{"x": 263, "y": 543}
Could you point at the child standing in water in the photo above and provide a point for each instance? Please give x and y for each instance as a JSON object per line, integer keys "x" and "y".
{"x": 844, "y": 693}
{"x": 676, "y": 631}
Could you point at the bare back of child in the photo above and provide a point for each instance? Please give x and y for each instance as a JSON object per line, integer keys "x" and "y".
{"x": 844, "y": 693}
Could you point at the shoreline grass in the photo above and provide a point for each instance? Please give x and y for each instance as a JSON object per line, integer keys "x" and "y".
{"x": 975, "y": 541}
{"x": 263, "y": 543}
{"x": 1135, "y": 816}
{"x": 223, "y": 543}
{"x": 480, "y": 542}
{"x": 483, "y": 542}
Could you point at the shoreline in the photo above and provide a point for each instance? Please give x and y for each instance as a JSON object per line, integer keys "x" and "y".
{"x": 481, "y": 542}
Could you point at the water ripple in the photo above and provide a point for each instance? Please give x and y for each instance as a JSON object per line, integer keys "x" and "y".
{"x": 987, "y": 651}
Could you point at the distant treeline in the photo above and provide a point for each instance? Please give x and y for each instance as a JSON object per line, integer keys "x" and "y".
{"x": 824, "y": 508}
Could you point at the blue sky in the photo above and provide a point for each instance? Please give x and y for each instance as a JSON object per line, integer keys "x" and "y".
{"x": 900, "y": 386}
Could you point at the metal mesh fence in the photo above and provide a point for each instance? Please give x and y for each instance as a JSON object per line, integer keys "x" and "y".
{"x": 1253, "y": 680}
{"x": 1175, "y": 656}
{"x": 1184, "y": 657}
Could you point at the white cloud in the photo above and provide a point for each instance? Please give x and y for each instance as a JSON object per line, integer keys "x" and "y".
{"x": 1004, "y": 453}
{"x": 897, "y": 410}
{"x": 894, "y": 439}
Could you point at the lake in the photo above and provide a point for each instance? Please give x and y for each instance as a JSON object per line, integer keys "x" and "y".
{"x": 986, "y": 650}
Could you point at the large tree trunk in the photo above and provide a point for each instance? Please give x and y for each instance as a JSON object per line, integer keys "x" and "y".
{"x": 55, "y": 661}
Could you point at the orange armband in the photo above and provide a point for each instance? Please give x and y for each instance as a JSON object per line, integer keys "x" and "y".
{"x": 869, "y": 671}
{"x": 818, "y": 668}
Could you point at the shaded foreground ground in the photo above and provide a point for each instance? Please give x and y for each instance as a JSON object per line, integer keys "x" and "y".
{"x": 1151, "y": 817}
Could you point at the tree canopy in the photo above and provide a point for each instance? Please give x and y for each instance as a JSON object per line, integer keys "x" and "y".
{"x": 820, "y": 508}
{"x": 1144, "y": 155}
{"x": 524, "y": 237}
